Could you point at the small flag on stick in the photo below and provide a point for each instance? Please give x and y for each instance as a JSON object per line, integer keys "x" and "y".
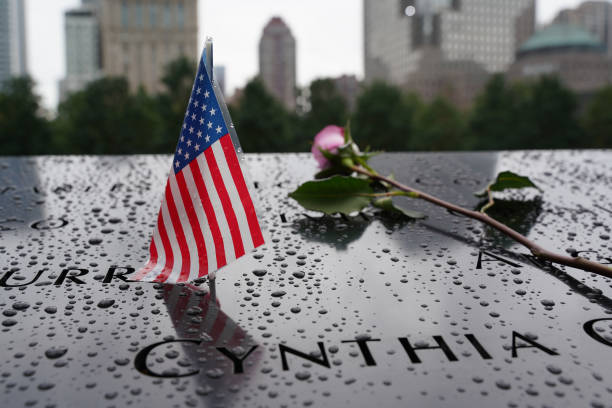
{"x": 207, "y": 216}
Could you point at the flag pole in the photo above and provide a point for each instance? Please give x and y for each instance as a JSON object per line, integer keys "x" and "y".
{"x": 228, "y": 120}
{"x": 209, "y": 58}
{"x": 208, "y": 64}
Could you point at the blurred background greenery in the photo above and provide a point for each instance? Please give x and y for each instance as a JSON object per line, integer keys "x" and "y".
{"x": 105, "y": 118}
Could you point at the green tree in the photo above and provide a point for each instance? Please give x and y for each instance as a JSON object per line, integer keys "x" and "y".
{"x": 177, "y": 79}
{"x": 327, "y": 106}
{"x": 598, "y": 120}
{"x": 105, "y": 118}
{"x": 540, "y": 114}
{"x": 438, "y": 126}
{"x": 494, "y": 122}
{"x": 22, "y": 129}
{"x": 262, "y": 123}
{"x": 549, "y": 117}
{"x": 383, "y": 117}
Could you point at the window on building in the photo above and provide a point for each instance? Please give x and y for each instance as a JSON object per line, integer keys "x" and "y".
{"x": 138, "y": 14}
{"x": 180, "y": 14}
{"x": 125, "y": 14}
{"x": 140, "y": 61}
{"x": 126, "y": 59}
{"x": 153, "y": 15}
{"x": 167, "y": 14}
{"x": 153, "y": 59}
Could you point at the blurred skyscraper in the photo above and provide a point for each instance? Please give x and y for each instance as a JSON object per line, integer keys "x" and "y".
{"x": 429, "y": 45}
{"x": 13, "y": 59}
{"x": 349, "y": 87}
{"x": 277, "y": 61}
{"x": 592, "y": 16}
{"x": 93, "y": 3}
{"x": 140, "y": 38}
{"x": 83, "y": 48}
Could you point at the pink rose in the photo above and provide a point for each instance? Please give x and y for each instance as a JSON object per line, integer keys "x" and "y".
{"x": 330, "y": 138}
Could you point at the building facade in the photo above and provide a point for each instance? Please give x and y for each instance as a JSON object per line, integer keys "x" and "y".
{"x": 457, "y": 81}
{"x": 592, "y": 16}
{"x": 140, "y": 37}
{"x": 83, "y": 48}
{"x": 13, "y": 55}
{"x": 387, "y": 41}
{"x": 277, "y": 62}
{"x": 401, "y": 36}
{"x": 573, "y": 55}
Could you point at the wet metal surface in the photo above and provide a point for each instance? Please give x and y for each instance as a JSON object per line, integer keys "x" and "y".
{"x": 354, "y": 311}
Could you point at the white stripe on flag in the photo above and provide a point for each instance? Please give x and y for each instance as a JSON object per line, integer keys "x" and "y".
{"x": 176, "y": 251}
{"x": 184, "y": 219}
{"x": 226, "y": 175}
{"x": 228, "y": 244}
{"x": 204, "y": 225}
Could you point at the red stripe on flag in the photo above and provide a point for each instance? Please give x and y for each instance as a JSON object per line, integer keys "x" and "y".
{"x": 230, "y": 216}
{"x": 150, "y": 265}
{"x": 210, "y": 213}
{"x": 161, "y": 227}
{"x": 180, "y": 235}
{"x": 195, "y": 225}
{"x": 219, "y": 325}
{"x": 243, "y": 192}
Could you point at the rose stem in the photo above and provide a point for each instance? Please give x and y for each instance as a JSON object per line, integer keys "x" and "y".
{"x": 536, "y": 250}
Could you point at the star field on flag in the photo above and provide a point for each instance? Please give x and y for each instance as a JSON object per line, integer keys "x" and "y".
{"x": 207, "y": 216}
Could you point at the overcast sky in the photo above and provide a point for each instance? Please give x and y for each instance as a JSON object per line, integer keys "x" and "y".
{"x": 328, "y": 34}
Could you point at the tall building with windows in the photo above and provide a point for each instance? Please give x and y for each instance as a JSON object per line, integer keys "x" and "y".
{"x": 83, "y": 49}
{"x": 13, "y": 59}
{"x": 140, "y": 37}
{"x": 277, "y": 61}
{"x": 594, "y": 17}
{"x": 398, "y": 34}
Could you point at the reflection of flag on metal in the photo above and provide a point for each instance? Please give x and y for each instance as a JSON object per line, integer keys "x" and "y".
{"x": 195, "y": 314}
{"x": 207, "y": 217}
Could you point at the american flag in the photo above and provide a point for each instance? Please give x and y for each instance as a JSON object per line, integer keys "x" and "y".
{"x": 207, "y": 216}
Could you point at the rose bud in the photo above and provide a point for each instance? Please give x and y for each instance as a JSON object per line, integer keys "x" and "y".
{"x": 329, "y": 139}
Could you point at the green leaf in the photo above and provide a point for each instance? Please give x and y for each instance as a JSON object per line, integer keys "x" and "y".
{"x": 507, "y": 180}
{"x": 338, "y": 194}
{"x": 347, "y": 133}
{"x": 332, "y": 171}
{"x": 387, "y": 204}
